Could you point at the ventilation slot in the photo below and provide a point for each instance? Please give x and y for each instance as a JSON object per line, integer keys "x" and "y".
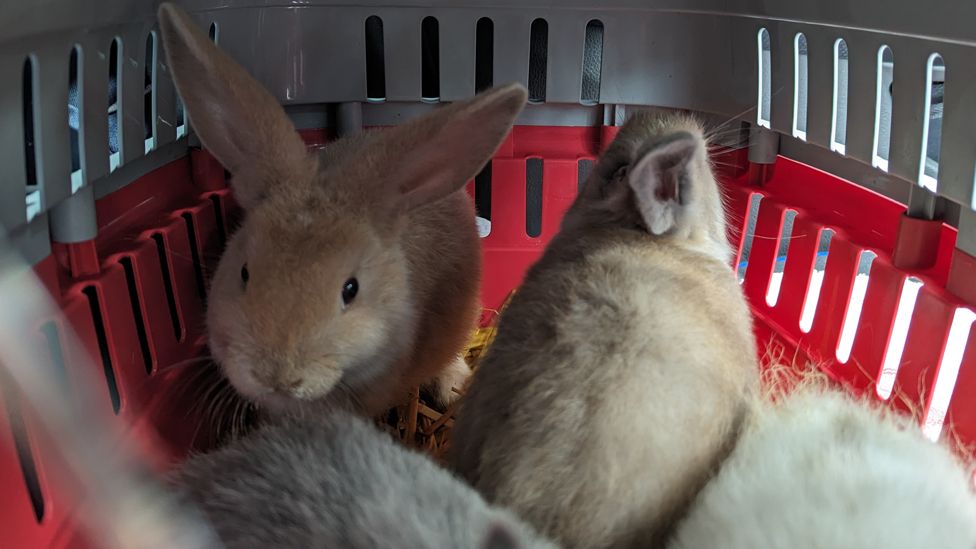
{"x": 592, "y": 63}
{"x": 134, "y": 299}
{"x": 583, "y": 168}
{"x": 765, "y": 72}
{"x": 484, "y": 54}
{"x": 538, "y": 53}
{"x": 430, "y": 69}
{"x": 96, "y": 311}
{"x": 816, "y": 282}
{"x": 50, "y": 332}
{"x": 214, "y": 32}
{"x": 740, "y": 271}
{"x": 899, "y": 334}
{"x": 853, "y": 315}
{"x": 800, "y": 85}
{"x": 375, "y": 68}
{"x": 180, "y": 118}
{"x": 776, "y": 281}
{"x": 25, "y": 455}
{"x": 174, "y": 312}
{"x": 75, "y": 127}
{"x": 33, "y": 194}
{"x": 149, "y": 92}
{"x": 945, "y": 381}
{"x": 928, "y": 175}
{"x": 533, "y": 197}
{"x": 882, "y": 112}
{"x": 195, "y": 255}
{"x": 114, "y": 93}
{"x": 482, "y": 200}
{"x": 838, "y": 124}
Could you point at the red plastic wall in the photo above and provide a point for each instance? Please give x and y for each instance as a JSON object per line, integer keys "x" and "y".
{"x": 146, "y": 228}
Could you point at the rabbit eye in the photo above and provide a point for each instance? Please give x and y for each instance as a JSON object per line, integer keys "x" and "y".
{"x": 244, "y": 274}
{"x": 621, "y": 173}
{"x": 349, "y": 291}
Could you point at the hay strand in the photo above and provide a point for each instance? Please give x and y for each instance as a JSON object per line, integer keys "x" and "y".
{"x": 423, "y": 424}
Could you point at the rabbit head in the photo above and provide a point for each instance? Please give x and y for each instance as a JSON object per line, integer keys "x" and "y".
{"x": 311, "y": 295}
{"x": 656, "y": 176}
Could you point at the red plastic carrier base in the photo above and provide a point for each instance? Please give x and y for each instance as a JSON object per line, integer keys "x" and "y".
{"x": 136, "y": 294}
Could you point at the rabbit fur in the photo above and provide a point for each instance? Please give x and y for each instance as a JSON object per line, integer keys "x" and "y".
{"x": 383, "y": 209}
{"x": 820, "y": 469}
{"x": 622, "y": 366}
{"x": 338, "y": 481}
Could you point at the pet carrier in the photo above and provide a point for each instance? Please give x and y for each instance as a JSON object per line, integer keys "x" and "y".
{"x": 844, "y": 139}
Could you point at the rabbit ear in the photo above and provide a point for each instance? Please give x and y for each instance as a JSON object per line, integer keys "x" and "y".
{"x": 500, "y": 536}
{"x": 236, "y": 118}
{"x": 660, "y": 180}
{"x": 437, "y": 154}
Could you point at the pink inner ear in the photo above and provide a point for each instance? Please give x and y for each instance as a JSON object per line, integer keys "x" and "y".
{"x": 667, "y": 189}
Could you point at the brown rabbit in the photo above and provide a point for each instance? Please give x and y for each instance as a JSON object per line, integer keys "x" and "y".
{"x": 356, "y": 272}
{"x": 623, "y": 365}
{"x": 313, "y": 481}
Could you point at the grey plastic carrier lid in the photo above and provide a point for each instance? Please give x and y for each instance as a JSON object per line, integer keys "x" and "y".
{"x": 86, "y": 94}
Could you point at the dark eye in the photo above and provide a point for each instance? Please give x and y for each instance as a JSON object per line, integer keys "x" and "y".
{"x": 621, "y": 173}
{"x": 244, "y": 274}
{"x": 349, "y": 291}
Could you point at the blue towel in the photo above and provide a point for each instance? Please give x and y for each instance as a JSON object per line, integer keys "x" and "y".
{"x": 74, "y": 110}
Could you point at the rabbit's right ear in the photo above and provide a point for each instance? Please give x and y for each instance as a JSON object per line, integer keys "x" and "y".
{"x": 660, "y": 182}
{"x": 500, "y": 536}
{"x": 236, "y": 118}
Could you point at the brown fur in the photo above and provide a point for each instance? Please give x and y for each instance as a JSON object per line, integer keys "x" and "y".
{"x": 621, "y": 369}
{"x": 384, "y": 207}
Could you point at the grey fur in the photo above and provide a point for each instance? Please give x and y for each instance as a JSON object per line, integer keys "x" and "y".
{"x": 339, "y": 482}
{"x": 620, "y": 372}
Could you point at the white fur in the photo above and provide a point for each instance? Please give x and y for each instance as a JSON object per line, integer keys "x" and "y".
{"x": 822, "y": 471}
{"x": 453, "y": 377}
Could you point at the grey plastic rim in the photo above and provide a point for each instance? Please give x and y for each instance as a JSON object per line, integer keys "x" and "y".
{"x": 714, "y": 56}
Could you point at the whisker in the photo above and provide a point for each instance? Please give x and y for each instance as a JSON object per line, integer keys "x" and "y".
{"x": 733, "y": 118}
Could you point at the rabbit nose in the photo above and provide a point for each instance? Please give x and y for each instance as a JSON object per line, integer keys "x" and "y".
{"x": 286, "y": 383}
{"x": 281, "y": 380}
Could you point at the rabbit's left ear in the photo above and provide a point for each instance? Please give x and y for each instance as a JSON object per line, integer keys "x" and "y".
{"x": 435, "y": 155}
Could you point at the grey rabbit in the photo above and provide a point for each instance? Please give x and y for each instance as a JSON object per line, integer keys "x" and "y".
{"x": 340, "y": 482}
{"x": 623, "y": 365}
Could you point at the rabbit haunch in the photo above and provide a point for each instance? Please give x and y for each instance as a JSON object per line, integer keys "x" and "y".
{"x": 622, "y": 366}
{"x": 382, "y": 213}
{"x": 339, "y": 482}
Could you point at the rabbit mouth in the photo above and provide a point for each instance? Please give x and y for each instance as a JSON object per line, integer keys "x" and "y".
{"x": 277, "y": 402}
{"x": 284, "y": 402}
{"x": 302, "y": 389}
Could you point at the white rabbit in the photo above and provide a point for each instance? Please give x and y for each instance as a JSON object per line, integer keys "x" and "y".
{"x": 822, "y": 470}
